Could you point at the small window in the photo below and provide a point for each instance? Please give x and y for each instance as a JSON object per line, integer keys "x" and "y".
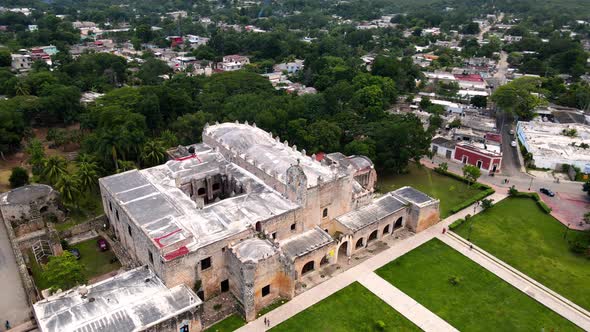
{"x": 223, "y": 249}
{"x": 225, "y": 286}
{"x": 117, "y": 214}
{"x": 266, "y": 290}
{"x": 325, "y": 213}
{"x": 293, "y": 227}
{"x": 111, "y": 206}
{"x": 129, "y": 230}
{"x": 274, "y": 235}
{"x": 205, "y": 263}
{"x": 151, "y": 256}
{"x": 201, "y": 191}
{"x": 216, "y": 186}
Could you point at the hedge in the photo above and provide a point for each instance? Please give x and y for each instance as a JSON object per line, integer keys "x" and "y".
{"x": 486, "y": 190}
{"x": 456, "y": 224}
{"x": 536, "y": 198}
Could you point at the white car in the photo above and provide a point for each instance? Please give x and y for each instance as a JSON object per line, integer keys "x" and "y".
{"x": 513, "y": 143}
{"x": 511, "y": 131}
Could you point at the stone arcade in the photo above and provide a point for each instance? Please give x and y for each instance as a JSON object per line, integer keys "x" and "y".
{"x": 246, "y": 213}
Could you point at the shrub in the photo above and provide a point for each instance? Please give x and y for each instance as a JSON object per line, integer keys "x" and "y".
{"x": 19, "y": 177}
{"x": 578, "y": 247}
{"x": 443, "y": 167}
{"x": 481, "y": 195}
{"x": 454, "y": 280}
{"x": 534, "y": 196}
{"x": 380, "y": 325}
{"x": 217, "y": 307}
{"x": 512, "y": 191}
{"x": 456, "y": 223}
{"x": 486, "y": 203}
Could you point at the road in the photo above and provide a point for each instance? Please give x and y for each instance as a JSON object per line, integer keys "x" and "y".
{"x": 13, "y": 303}
{"x": 510, "y": 160}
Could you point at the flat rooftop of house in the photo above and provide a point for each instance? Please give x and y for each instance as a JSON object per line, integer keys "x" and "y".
{"x": 153, "y": 199}
{"x": 269, "y": 153}
{"x": 479, "y": 122}
{"x": 447, "y": 143}
{"x": 491, "y": 150}
{"x": 303, "y": 243}
{"x": 413, "y": 196}
{"x": 372, "y": 213}
{"x": 546, "y": 139}
{"x": 126, "y": 302}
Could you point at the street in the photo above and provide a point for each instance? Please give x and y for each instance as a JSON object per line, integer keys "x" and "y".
{"x": 13, "y": 303}
{"x": 510, "y": 160}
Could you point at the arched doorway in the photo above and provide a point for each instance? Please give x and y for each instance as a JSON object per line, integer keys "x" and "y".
{"x": 373, "y": 236}
{"x": 308, "y": 267}
{"x": 325, "y": 260}
{"x": 258, "y": 227}
{"x": 386, "y": 230}
{"x": 343, "y": 249}
{"x": 359, "y": 244}
{"x": 398, "y": 223}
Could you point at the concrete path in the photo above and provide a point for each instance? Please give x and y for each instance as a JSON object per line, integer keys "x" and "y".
{"x": 522, "y": 282}
{"x": 405, "y": 305}
{"x": 13, "y": 300}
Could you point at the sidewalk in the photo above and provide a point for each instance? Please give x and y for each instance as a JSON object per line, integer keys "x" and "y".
{"x": 522, "y": 282}
{"x": 405, "y": 305}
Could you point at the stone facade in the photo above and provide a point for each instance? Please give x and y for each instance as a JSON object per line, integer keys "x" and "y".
{"x": 248, "y": 214}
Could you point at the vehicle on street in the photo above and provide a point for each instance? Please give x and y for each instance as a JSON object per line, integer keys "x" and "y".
{"x": 102, "y": 244}
{"x": 511, "y": 131}
{"x": 547, "y": 192}
{"x": 75, "y": 252}
{"x": 513, "y": 144}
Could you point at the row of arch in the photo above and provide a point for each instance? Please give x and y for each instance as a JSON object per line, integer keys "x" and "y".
{"x": 360, "y": 243}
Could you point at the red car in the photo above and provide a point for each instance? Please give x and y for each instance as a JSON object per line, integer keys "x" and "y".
{"x": 102, "y": 244}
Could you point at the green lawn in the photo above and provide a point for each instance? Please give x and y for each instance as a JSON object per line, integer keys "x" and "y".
{"x": 229, "y": 324}
{"x": 353, "y": 308}
{"x": 478, "y": 301}
{"x": 272, "y": 306}
{"x": 519, "y": 233}
{"x": 95, "y": 262}
{"x": 451, "y": 192}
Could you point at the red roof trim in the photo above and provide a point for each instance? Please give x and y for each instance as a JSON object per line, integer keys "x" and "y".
{"x": 176, "y": 253}
{"x": 157, "y": 240}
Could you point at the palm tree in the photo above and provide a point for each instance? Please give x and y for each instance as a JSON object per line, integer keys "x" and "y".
{"x": 54, "y": 168}
{"x": 87, "y": 174}
{"x": 21, "y": 89}
{"x": 168, "y": 138}
{"x": 153, "y": 152}
{"x": 111, "y": 143}
{"x": 68, "y": 186}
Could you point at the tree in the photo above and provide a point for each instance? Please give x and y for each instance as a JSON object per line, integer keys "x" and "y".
{"x": 36, "y": 153}
{"x": 168, "y": 139}
{"x": 68, "y": 186}
{"x": 19, "y": 177}
{"x": 487, "y": 203}
{"x": 479, "y": 101}
{"x": 64, "y": 272}
{"x": 189, "y": 127}
{"x": 153, "y": 153}
{"x": 520, "y": 97}
{"x": 53, "y": 169}
{"x": 87, "y": 175}
{"x": 586, "y": 187}
{"x": 471, "y": 173}
{"x": 125, "y": 165}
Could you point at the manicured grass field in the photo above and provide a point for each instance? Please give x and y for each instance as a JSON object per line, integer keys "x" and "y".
{"x": 450, "y": 191}
{"x": 229, "y": 324}
{"x": 353, "y": 308}
{"x": 95, "y": 262}
{"x": 466, "y": 295}
{"x": 519, "y": 233}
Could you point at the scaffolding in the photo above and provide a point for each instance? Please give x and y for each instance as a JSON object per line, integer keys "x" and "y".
{"x": 41, "y": 250}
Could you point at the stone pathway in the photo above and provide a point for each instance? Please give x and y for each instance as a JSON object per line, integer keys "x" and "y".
{"x": 522, "y": 282}
{"x": 405, "y": 305}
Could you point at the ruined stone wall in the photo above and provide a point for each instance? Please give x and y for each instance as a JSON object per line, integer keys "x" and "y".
{"x": 425, "y": 216}
{"x": 281, "y": 226}
{"x": 328, "y": 251}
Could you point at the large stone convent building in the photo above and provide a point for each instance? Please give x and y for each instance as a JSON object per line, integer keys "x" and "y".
{"x": 246, "y": 213}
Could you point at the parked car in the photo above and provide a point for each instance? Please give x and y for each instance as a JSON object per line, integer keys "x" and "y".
{"x": 102, "y": 244}
{"x": 511, "y": 131}
{"x": 75, "y": 252}
{"x": 547, "y": 192}
{"x": 513, "y": 144}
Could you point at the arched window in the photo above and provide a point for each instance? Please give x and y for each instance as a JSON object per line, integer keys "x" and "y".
{"x": 386, "y": 230}
{"x": 216, "y": 186}
{"x": 308, "y": 267}
{"x": 258, "y": 227}
{"x": 325, "y": 213}
{"x": 373, "y": 236}
{"x": 201, "y": 191}
{"x": 359, "y": 243}
{"x": 398, "y": 223}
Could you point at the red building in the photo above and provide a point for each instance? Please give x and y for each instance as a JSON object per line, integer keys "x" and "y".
{"x": 485, "y": 157}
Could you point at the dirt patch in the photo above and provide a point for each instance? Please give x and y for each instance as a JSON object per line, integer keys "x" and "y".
{"x": 218, "y": 308}
{"x": 570, "y": 209}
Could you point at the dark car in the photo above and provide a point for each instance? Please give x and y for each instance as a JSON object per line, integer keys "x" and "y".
{"x": 547, "y": 192}
{"x": 75, "y": 252}
{"x": 102, "y": 244}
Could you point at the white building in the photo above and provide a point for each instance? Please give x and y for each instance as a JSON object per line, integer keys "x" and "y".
{"x": 234, "y": 62}
{"x": 551, "y": 147}
{"x": 21, "y": 62}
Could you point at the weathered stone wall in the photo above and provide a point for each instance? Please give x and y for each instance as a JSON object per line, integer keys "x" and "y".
{"x": 426, "y": 216}
{"x": 190, "y": 318}
{"x": 91, "y": 224}
{"x": 316, "y": 256}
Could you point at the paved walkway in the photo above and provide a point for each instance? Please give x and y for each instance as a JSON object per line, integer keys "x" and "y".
{"x": 405, "y": 305}
{"x": 522, "y": 282}
{"x": 323, "y": 290}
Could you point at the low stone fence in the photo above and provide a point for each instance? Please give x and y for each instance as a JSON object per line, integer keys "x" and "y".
{"x": 96, "y": 224}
